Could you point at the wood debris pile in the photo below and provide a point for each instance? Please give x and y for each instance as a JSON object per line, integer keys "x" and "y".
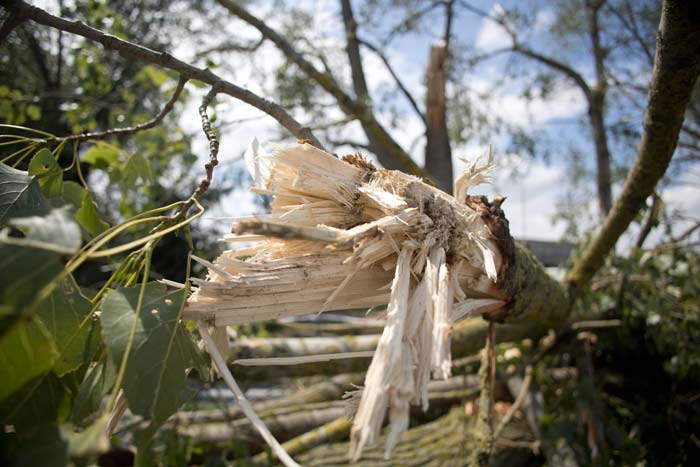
{"x": 343, "y": 234}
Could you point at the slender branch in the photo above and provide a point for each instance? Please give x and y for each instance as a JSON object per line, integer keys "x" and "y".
{"x": 24, "y": 11}
{"x": 231, "y": 47}
{"x": 404, "y": 90}
{"x": 676, "y": 69}
{"x": 519, "y": 48}
{"x": 352, "y": 48}
{"x": 129, "y": 130}
{"x": 411, "y": 18}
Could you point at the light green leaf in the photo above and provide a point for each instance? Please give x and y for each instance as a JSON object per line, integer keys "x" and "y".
{"x": 102, "y": 156}
{"x": 155, "y": 382}
{"x": 136, "y": 167}
{"x": 88, "y": 216}
{"x": 73, "y": 194}
{"x": 62, "y": 314}
{"x": 25, "y": 353}
{"x": 20, "y": 195}
{"x": 33, "y": 112}
{"x": 47, "y": 172}
{"x": 156, "y": 75}
{"x": 56, "y": 231}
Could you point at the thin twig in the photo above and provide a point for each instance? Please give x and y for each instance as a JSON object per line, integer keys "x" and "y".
{"x": 524, "y": 388}
{"x": 404, "y": 90}
{"x": 130, "y": 130}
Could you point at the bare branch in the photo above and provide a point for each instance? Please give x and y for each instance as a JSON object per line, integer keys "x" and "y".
{"x": 396, "y": 78}
{"x": 676, "y": 69}
{"x": 231, "y": 47}
{"x": 24, "y": 11}
{"x": 352, "y": 48}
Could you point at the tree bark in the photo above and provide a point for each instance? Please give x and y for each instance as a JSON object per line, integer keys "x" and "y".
{"x": 596, "y": 111}
{"x": 438, "y": 155}
{"x": 676, "y": 69}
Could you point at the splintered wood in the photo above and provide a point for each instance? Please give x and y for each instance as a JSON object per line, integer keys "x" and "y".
{"x": 343, "y": 234}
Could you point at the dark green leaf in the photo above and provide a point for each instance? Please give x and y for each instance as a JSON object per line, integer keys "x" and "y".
{"x": 20, "y": 195}
{"x": 62, "y": 314}
{"x": 47, "y": 172}
{"x": 26, "y": 353}
{"x": 44, "y": 399}
{"x": 88, "y": 216}
{"x": 40, "y": 446}
{"x": 24, "y": 271}
{"x": 99, "y": 379}
{"x": 155, "y": 380}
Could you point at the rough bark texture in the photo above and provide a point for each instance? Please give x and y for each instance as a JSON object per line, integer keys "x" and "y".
{"x": 438, "y": 155}
{"x": 676, "y": 69}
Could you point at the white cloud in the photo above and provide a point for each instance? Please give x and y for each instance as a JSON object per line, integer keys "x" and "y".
{"x": 491, "y": 36}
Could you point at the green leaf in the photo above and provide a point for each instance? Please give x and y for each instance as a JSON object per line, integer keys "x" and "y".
{"x": 99, "y": 379}
{"x": 88, "y": 216}
{"x": 20, "y": 195}
{"x": 73, "y": 194}
{"x": 91, "y": 441}
{"x": 135, "y": 168}
{"x": 56, "y": 231}
{"x": 24, "y": 271}
{"x": 41, "y": 446}
{"x": 62, "y": 314}
{"x": 155, "y": 380}
{"x": 102, "y": 156}
{"x": 25, "y": 353}
{"x": 44, "y": 399}
{"x": 157, "y": 76}
{"x": 33, "y": 112}
{"x": 47, "y": 172}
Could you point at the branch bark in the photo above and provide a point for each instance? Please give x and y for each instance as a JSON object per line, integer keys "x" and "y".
{"x": 25, "y": 11}
{"x": 676, "y": 69}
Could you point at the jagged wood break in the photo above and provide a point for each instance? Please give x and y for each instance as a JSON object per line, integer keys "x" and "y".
{"x": 344, "y": 234}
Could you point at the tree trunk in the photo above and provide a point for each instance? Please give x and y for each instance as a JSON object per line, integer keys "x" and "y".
{"x": 603, "y": 177}
{"x": 438, "y": 155}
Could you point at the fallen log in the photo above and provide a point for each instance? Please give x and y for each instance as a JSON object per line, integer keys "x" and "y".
{"x": 445, "y": 441}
